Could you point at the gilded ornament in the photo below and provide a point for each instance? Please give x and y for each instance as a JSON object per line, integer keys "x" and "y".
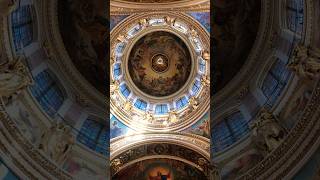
{"x": 205, "y": 80}
{"x": 206, "y": 55}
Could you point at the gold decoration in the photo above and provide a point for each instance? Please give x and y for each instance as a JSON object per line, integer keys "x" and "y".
{"x": 172, "y": 117}
{"x": 205, "y": 80}
{"x": 127, "y": 106}
{"x": 143, "y": 23}
{"x": 206, "y": 55}
{"x": 121, "y": 38}
{"x": 169, "y": 20}
{"x": 193, "y": 103}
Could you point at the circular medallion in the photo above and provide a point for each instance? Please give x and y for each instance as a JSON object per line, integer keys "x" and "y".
{"x": 159, "y": 63}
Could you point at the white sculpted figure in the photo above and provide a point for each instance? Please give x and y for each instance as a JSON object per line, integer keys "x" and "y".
{"x": 14, "y": 77}
{"x": 266, "y": 132}
{"x": 57, "y": 142}
{"x": 193, "y": 103}
{"x": 305, "y": 63}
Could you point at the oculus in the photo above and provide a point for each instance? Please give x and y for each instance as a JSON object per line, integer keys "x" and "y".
{"x": 159, "y": 63}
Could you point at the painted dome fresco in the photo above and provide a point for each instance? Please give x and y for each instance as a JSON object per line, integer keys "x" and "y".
{"x": 159, "y": 63}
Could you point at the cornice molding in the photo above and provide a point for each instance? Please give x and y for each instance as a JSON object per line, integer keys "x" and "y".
{"x": 118, "y": 7}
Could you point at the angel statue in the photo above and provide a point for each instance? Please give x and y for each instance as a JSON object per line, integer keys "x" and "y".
{"x": 305, "y": 63}
{"x": 14, "y": 77}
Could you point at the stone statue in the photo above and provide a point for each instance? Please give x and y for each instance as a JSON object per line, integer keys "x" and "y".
{"x": 57, "y": 142}
{"x": 14, "y": 77}
{"x": 305, "y": 63}
{"x": 148, "y": 116}
{"x": 172, "y": 117}
{"x": 267, "y": 134}
{"x": 7, "y": 6}
{"x": 193, "y": 103}
{"x": 169, "y": 20}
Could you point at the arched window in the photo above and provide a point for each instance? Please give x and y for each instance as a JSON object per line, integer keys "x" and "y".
{"x": 22, "y": 26}
{"x": 196, "y": 87}
{"x": 275, "y": 82}
{"x": 47, "y": 92}
{"x": 140, "y": 104}
{"x": 182, "y": 102}
{"x": 202, "y": 65}
{"x": 161, "y": 109}
{"x": 125, "y": 90}
{"x": 228, "y": 131}
{"x": 94, "y": 135}
{"x": 117, "y": 70}
{"x": 294, "y": 11}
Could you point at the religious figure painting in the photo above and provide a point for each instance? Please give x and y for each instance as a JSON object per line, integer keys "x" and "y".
{"x": 117, "y": 128}
{"x": 161, "y": 63}
{"x": 202, "y": 127}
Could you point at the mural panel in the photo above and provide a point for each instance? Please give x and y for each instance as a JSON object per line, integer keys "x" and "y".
{"x": 80, "y": 169}
{"x": 203, "y": 18}
{"x": 117, "y": 128}
{"x": 202, "y": 127}
{"x": 160, "y": 169}
{"x": 116, "y": 19}
{"x": 238, "y": 166}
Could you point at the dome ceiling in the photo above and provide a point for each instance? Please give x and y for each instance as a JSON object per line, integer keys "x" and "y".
{"x": 160, "y": 63}
{"x": 84, "y": 31}
{"x": 235, "y": 27}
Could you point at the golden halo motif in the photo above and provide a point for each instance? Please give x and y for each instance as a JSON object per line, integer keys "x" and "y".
{"x": 160, "y": 63}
